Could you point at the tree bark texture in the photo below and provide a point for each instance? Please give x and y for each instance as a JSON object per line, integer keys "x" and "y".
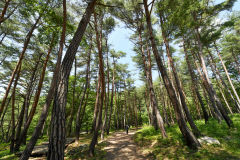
{"x": 188, "y": 135}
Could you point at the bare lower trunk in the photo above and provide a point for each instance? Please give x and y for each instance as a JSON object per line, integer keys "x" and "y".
{"x": 157, "y": 118}
{"x": 102, "y": 86}
{"x": 57, "y": 137}
{"x": 227, "y": 74}
{"x": 69, "y": 127}
{"x": 111, "y": 102}
{"x": 13, "y": 110}
{"x": 219, "y": 80}
{"x": 209, "y": 86}
{"x": 36, "y": 99}
{"x": 106, "y": 97}
{"x": 188, "y": 135}
{"x": 83, "y": 112}
{"x": 195, "y": 84}
{"x": 54, "y": 83}
{"x": 77, "y": 127}
{"x": 178, "y": 86}
{"x": 96, "y": 105}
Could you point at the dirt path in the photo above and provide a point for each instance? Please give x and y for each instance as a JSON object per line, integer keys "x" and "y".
{"x": 121, "y": 147}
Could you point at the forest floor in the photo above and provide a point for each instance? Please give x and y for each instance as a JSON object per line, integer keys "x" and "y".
{"x": 147, "y": 143}
{"x": 174, "y": 147}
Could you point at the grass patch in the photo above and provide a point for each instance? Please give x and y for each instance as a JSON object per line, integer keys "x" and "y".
{"x": 5, "y": 151}
{"x": 174, "y": 146}
{"x": 74, "y": 151}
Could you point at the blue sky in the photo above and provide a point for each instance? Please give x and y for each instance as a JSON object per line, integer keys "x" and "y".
{"x": 119, "y": 39}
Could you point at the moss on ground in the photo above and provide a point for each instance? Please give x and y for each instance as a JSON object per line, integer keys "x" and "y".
{"x": 174, "y": 146}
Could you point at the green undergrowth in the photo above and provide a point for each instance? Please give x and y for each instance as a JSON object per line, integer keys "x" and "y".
{"x": 5, "y": 151}
{"x": 74, "y": 151}
{"x": 174, "y": 146}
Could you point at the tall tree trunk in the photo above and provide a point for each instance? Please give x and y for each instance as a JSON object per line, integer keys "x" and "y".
{"x": 77, "y": 127}
{"x": 96, "y": 104}
{"x": 208, "y": 82}
{"x": 214, "y": 110}
{"x": 116, "y": 107}
{"x": 102, "y": 86}
{"x": 195, "y": 84}
{"x": 8, "y": 132}
{"x": 36, "y": 98}
{"x": 30, "y": 89}
{"x": 227, "y": 74}
{"x": 27, "y": 152}
{"x": 148, "y": 105}
{"x": 106, "y": 97}
{"x": 13, "y": 110}
{"x": 220, "y": 81}
{"x": 224, "y": 85}
{"x": 83, "y": 110}
{"x": 188, "y": 135}
{"x": 26, "y": 42}
{"x": 157, "y": 118}
{"x": 170, "y": 110}
{"x": 178, "y": 86}
{"x": 57, "y": 137}
{"x": 2, "y": 119}
{"x": 163, "y": 99}
{"x": 111, "y": 103}
{"x": 69, "y": 127}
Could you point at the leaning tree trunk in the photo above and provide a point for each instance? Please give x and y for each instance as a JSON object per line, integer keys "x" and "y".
{"x": 214, "y": 110}
{"x": 13, "y": 110}
{"x": 96, "y": 108}
{"x": 188, "y": 135}
{"x": 178, "y": 86}
{"x": 57, "y": 137}
{"x": 2, "y": 119}
{"x": 227, "y": 74}
{"x": 4, "y": 10}
{"x": 157, "y": 118}
{"x": 195, "y": 85}
{"x": 83, "y": 110}
{"x": 223, "y": 82}
{"x": 148, "y": 105}
{"x": 102, "y": 88}
{"x": 36, "y": 99}
{"x": 27, "y": 152}
{"x": 27, "y": 99}
{"x": 106, "y": 97}
{"x": 25, "y": 46}
{"x": 220, "y": 82}
{"x": 208, "y": 82}
{"x": 77, "y": 127}
{"x": 69, "y": 127}
{"x": 111, "y": 103}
